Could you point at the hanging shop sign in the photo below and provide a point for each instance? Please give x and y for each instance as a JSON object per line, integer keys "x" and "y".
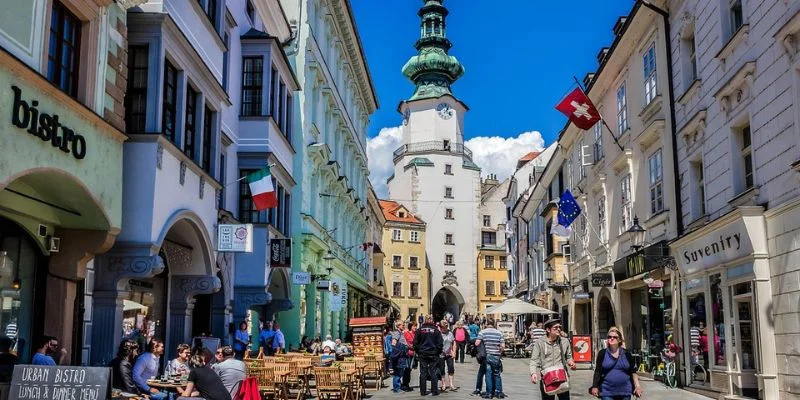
{"x": 37, "y": 382}
{"x": 280, "y": 253}
{"x": 301, "y": 278}
{"x": 648, "y": 259}
{"x": 582, "y": 348}
{"x": 579, "y": 296}
{"x": 235, "y": 238}
{"x": 602, "y": 280}
{"x": 25, "y": 115}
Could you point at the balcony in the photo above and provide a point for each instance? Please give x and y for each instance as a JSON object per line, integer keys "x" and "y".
{"x": 433, "y": 146}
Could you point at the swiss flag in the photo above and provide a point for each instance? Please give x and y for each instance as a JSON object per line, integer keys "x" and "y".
{"x": 579, "y": 109}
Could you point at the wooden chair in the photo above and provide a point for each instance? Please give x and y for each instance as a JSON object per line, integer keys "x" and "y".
{"x": 266, "y": 380}
{"x": 358, "y": 386}
{"x": 301, "y": 376}
{"x": 329, "y": 383}
{"x": 374, "y": 368}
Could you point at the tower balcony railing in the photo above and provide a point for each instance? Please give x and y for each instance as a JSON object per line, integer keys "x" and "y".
{"x": 433, "y": 146}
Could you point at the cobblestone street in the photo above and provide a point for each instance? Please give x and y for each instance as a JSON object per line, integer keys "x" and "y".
{"x": 517, "y": 384}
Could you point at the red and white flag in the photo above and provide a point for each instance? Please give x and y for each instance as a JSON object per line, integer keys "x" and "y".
{"x": 579, "y": 109}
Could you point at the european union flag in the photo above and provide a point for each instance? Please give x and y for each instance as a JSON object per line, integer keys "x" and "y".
{"x": 568, "y": 209}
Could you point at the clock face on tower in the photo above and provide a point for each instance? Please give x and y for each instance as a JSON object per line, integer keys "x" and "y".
{"x": 445, "y": 111}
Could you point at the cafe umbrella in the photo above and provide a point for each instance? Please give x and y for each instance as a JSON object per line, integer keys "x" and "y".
{"x": 517, "y": 306}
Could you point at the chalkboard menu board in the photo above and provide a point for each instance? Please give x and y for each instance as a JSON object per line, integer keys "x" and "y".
{"x": 40, "y": 382}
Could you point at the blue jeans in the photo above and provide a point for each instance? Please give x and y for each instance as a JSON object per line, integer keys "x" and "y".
{"x": 615, "y": 397}
{"x": 481, "y": 375}
{"x": 397, "y": 377}
{"x": 494, "y": 383}
{"x": 159, "y": 396}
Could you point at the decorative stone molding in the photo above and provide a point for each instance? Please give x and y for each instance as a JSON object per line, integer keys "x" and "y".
{"x": 737, "y": 90}
{"x": 740, "y": 36}
{"x": 126, "y": 4}
{"x": 159, "y": 155}
{"x": 692, "y": 131}
{"x": 246, "y": 296}
{"x": 450, "y": 278}
{"x": 787, "y": 36}
{"x": 185, "y": 287}
{"x": 690, "y": 93}
{"x": 202, "y": 187}
{"x": 179, "y": 258}
{"x": 217, "y": 195}
{"x": 686, "y": 29}
{"x": 114, "y": 269}
{"x": 182, "y": 177}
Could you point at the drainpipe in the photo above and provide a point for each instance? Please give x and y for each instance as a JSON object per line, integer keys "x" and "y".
{"x": 671, "y": 93}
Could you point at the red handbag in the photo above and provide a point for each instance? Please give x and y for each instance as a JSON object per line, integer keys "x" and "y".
{"x": 555, "y": 380}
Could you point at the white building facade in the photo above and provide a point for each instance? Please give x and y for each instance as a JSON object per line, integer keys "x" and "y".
{"x": 736, "y": 79}
{"x": 434, "y": 174}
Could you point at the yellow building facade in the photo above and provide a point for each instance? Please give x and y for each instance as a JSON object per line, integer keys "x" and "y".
{"x": 405, "y": 266}
{"x": 492, "y": 277}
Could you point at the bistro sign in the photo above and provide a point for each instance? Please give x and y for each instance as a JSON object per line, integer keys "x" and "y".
{"x": 46, "y": 127}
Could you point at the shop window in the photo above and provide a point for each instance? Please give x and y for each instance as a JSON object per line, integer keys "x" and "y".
{"x": 63, "y": 58}
{"x": 698, "y": 334}
{"x": 136, "y": 94}
{"x": 252, "y": 90}
{"x": 170, "y": 101}
{"x": 718, "y": 320}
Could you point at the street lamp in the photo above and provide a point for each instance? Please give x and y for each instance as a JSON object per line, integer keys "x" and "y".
{"x": 548, "y": 274}
{"x": 637, "y": 235}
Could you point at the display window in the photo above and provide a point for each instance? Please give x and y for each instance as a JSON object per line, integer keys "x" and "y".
{"x": 718, "y": 319}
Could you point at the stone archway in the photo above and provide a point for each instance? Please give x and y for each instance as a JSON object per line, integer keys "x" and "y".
{"x": 280, "y": 291}
{"x": 605, "y": 312}
{"x": 447, "y": 299}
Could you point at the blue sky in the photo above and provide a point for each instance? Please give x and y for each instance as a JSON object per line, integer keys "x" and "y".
{"x": 520, "y": 59}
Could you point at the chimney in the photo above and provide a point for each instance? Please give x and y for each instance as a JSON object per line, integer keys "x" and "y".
{"x": 619, "y": 25}
{"x": 588, "y": 79}
{"x": 601, "y": 56}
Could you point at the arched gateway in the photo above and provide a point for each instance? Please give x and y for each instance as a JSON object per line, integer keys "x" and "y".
{"x": 447, "y": 300}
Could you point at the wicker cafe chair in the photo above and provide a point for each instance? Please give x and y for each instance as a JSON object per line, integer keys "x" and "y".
{"x": 329, "y": 383}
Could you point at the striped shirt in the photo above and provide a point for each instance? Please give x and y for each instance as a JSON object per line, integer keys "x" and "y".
{"x": 492, "y": 339}
{"x": 537, "y": 333}
{"x": 694, "y": 335}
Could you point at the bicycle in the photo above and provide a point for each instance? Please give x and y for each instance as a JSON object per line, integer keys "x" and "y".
{"x": 698, "y": 371}
{"x": 670, "y": 376}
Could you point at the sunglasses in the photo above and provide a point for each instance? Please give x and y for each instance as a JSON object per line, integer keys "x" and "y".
{"x": 613, "y": 337}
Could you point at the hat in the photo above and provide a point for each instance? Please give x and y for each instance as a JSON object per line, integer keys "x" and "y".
{"x": 328, "y": 337}
{"x": 549, "y": 324}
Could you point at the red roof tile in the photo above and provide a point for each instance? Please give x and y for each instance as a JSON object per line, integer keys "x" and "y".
{"x": 390, "y": 210}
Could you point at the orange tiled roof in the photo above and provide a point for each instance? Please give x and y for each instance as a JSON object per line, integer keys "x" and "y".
{"x": 530, "y": 156}
{"x": 390, "y": 209}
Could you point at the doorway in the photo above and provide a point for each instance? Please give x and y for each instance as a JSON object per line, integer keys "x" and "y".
{"x": 743, "y": 340}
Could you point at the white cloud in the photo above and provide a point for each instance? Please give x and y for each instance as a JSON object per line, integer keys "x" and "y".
{"x": 379, "y": 154}
{"x": 495, "y": 155}
{"x": 498, "y": 155}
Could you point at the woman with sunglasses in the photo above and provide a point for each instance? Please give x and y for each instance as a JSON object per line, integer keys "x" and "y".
{"x": 615, "y": 375}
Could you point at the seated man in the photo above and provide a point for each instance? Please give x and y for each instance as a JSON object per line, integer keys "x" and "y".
{"x": 328, "y": 356}
{"x": 122, "y": 367}
{"x": 341, "y": 349}
{"x": 230, "y": 370}
{"x": 204, "y": 382}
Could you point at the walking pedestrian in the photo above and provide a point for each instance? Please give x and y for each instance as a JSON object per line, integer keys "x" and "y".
{"x": 446, "y": 358}
{"x": 241, "y": 340}
{"x": 461, "y": 335}
{"x": 537, "y": 332}
{"x": 266, "y": 339}
{"x": 427, "y": 347}
{"x": 493, "y": 342}
{"x": 615, "y": 375}
{"x": 550, "y": 357}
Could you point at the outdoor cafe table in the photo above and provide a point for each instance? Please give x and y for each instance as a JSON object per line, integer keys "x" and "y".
{"x": 167, "y": 386}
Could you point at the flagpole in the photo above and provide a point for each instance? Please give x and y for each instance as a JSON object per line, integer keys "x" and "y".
{"x": 242, "y": 178}
{"x": 601, "y": 116}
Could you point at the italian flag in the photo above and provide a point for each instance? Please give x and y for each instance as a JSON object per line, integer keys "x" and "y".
{"x": 262, "y": 190}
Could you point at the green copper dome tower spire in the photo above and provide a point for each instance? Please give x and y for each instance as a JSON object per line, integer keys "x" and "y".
{"x": 432, "y": 70}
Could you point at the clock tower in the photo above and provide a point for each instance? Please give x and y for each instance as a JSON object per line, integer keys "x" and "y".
{"x": 434, "y": 174}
